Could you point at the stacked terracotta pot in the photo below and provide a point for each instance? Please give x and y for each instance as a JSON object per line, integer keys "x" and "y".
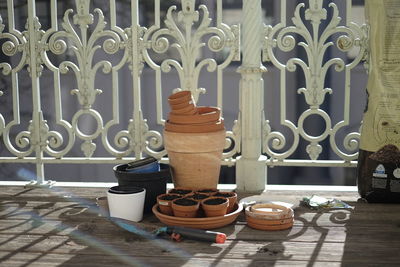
{"x": 194, "y": 139}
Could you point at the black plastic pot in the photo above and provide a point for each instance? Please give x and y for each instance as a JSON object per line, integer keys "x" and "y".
{"x": 155, "y": 183}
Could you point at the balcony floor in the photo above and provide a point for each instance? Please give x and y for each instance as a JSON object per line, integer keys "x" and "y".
{"x": 59, "y": 227}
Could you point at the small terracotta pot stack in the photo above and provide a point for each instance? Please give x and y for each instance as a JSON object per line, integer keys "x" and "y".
{"x": 269, "y": 217}
{"x": 185, "y": 117}
{"x": 194, "y": 138}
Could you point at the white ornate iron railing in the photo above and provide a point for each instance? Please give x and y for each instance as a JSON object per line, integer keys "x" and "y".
{"x": 71, "y": 47}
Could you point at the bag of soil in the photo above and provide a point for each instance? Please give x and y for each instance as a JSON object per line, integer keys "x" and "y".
{"x": 381, "y": 122}
{"x": 382, "y": 178}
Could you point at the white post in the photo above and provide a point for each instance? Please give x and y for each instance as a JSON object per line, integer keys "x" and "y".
{"x": 37, "y": 116}
{"x": 251, "y": 165}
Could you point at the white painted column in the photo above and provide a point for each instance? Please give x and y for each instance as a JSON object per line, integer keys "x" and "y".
{"x": 251, "y": 168}
{"x": 35, "y": 72}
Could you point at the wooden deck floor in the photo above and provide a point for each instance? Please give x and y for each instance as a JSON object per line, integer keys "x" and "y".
{"x": 59, "y": 227}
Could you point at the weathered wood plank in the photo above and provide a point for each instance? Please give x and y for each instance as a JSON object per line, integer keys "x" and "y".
{"x": 42, "y": 227}
{"x": 50, "y": 260}
{"x": 73, "y": 213}
{"x": 104, "y": 229}
{"x": 255, "y": 250}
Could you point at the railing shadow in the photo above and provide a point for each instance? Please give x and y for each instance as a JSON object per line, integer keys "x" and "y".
{"x": 372, "y": 235}
{"x": 71, "y": 229}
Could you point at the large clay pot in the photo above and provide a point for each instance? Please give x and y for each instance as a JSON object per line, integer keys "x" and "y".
{"x": 195, "y": 158}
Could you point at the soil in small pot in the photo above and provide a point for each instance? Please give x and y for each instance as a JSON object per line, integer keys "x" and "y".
{"x": 207, "y": 191}
{"x": 170, "y": 197}
{"x": 221, "y": 194}
{"x": 185, "y": 202}
{"x": 197, "y": 196}
{"x": 180, "y": 191}
{"x": 215, "y": 201}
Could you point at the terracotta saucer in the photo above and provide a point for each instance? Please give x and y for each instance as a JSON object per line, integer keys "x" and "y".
{"x": 199, "y": 223}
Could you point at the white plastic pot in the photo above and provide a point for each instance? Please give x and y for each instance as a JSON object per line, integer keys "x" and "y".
{"x": 126, "y": 202}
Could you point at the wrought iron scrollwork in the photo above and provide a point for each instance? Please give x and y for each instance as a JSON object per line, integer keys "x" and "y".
{"x": 315, "y": 43}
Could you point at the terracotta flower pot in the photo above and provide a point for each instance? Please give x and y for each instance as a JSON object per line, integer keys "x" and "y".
{"x": 232, "y": 198}
{"x": 215, "y": 206}
{"x": 183, "y": 207}
{"x": 164, "y": 202}
{"x": 195, "y": 158}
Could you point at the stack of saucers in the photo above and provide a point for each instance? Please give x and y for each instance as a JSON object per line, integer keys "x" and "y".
{"x": 269, "y": 217}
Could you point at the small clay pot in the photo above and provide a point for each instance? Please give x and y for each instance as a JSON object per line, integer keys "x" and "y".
{"x": 180, "y": 191}
{"x": 164, "y": 202}
{"x": 183, "y": 207}
{"x": 232, "y": 198}
{"x": 208, "y": 191}
{"x": 215, "y": 206}
{"x": 180, "y": 97}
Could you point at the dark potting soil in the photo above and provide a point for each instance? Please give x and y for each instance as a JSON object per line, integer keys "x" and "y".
{"x": 170, "y": 197}
{"x": 206, "y": 191}
{"x": 215, "y": 201}
{"x": 180, "y": 191}
{"x": 199, "y": 196}
{"x": 220, "y": 194}
{"x": 387, "y": 154}
{"x": 185, "y": 202}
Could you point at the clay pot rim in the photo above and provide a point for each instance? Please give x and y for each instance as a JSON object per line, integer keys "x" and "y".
{"x": 266, "y": 216}
{"x": 260, "y": 225}
{"x": 159, "y": 196}
{"x": 184, "y": 94}
{"x": 180, "y": 188}
{"x": 177, "y": 204}
{"x": 182, "y": 105}
{"x": 269, "y": 222}
{"x": 232, "y": 194}
{"x": 226, "y": 201}
{"x": 195, "y": 128}
{"x": 205, "y": 115}
{"x": 189, "y": 109}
